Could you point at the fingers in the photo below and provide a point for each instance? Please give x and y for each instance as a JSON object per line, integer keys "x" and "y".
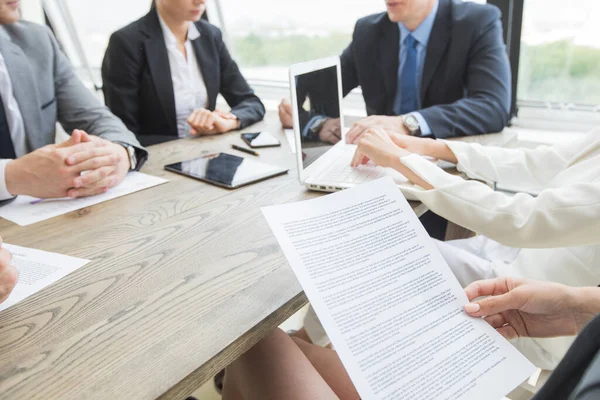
{"x": 489, "y": 287}
{"x": 202, "y": 121}
{"x": 5, "y": 258}
{"x": 496, "y": 320}
{"x": 495, "y": 304}
{"x": 110, "y": 160}
{"x": 99, "y": 187}
{"x": 207, "y": 121}
{"x": 508, "y": 332}
{"x": 88, "y": 155}
{"x": 355, "y": 132}
{"x": 74, "y": 139}
{"x": 359, "y": 158}
{"x": 94, "y": 178}
{"x": 8, "y": 274}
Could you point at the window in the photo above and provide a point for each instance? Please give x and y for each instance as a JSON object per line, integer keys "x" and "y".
{"x": 268, "y": 36}
{"x": 560, "y": 53}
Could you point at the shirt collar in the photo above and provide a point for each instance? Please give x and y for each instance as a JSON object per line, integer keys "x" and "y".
{"x": 423, "y": 31}
{"x": 170, "y": 38}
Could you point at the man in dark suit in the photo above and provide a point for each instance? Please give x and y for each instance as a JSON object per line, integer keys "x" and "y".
{"x": 429, "y": 67}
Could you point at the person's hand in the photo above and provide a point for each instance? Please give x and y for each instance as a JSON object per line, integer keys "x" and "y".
{"x": 44, "y": 173}
{"x": 106, "y": 165}
{"x": 206, "y": 122}
{"x": 522, "y": 308}
{"x": 8, "y": 274}
{"x": 390, "y": 124}
{"x": 285, "y": 114}
{"x": 331, "y": 131}
{"x": 376, "y": 145}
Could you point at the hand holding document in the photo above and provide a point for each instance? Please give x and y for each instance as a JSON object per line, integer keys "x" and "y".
{"x": 389, "y": 302}
{"x": 37, "y": 269}
{"x": 26, "y": 210}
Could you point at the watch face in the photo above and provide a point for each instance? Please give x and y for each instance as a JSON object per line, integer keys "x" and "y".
{"x": 411, "y": 123}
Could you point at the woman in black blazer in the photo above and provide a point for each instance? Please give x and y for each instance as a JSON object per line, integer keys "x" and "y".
{"x": 162, "y": 74}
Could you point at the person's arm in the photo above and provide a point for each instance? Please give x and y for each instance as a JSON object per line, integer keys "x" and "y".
{"x": 559, "y": 217}
{"x": 534, "y": 168}
{"x": 486, "y": 107}
{"x": 78, "y": 108}
{"x": 349, "y": 72}
{"x": 120, "y": 82}
{"x": 518, "y": 307}
{"x": 513, "y": 167}
{"x": 245, "y": 105}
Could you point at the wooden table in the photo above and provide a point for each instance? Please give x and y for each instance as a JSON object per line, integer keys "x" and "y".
{"x": 184, "y": 278}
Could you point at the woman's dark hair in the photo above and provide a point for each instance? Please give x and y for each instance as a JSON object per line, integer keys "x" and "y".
{"x": 153, "y": 5}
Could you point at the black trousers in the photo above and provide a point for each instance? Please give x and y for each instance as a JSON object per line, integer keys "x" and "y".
{"x": 434, "y": 225}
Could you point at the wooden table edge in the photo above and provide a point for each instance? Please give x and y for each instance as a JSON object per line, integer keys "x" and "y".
{"x": 241, "y": 345}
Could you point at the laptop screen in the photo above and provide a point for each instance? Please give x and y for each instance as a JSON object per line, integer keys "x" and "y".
{"x": 318, "y": 112}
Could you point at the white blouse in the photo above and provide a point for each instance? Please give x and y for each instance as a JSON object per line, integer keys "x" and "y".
{"x": 558, "y": 231}
{"x": 188, "y": 83}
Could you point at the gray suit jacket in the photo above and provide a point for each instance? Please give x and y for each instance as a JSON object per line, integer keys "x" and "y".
{"x": 47, "y": 90}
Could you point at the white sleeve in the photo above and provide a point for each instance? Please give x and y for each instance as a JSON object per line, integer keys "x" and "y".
{"x": 558, "y": 217}
{"x": 4, "y": 194}
{"x": 529, "y": 168}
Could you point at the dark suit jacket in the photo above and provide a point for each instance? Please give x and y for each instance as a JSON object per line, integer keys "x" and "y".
{"x": 138, "y": 86}
{"x": 466, "y": 86}
{"x": 577, "y": 377}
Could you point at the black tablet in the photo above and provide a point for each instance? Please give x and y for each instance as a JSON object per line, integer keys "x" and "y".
{"x": 226, "y": 170}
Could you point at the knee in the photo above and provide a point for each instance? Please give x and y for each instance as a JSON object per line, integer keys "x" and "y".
{"x": 268, "y": 343}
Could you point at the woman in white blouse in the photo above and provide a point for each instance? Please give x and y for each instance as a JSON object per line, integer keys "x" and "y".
{"x": 552, "y": 237}
{"x": 162, "y": 75}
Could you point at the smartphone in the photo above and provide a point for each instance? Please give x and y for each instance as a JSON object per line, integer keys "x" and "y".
{"x": 260, "y": 140}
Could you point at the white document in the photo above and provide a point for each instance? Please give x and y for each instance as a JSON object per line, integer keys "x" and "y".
{"x": 26, "y": 210}
{"x": 389, "y": 302}
{"x": 37, "y": 269}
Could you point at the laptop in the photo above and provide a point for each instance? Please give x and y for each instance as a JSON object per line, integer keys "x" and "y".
{"x": 323, "y": 156}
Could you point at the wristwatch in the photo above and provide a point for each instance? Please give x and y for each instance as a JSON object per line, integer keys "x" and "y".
{"x": 412, "y": 124}
{"x": 132, "y": 157}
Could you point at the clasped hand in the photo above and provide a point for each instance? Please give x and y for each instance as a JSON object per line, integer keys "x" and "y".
{"x": 206, "y": 122}
{"x": 84, "y": 165}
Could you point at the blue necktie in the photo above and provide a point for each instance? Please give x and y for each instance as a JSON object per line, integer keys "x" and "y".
{"x": 7, "y": 149}
{"x": 407, "y": 82}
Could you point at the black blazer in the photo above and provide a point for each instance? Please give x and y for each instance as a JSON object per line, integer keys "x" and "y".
{"x": 137, "y": 81}
{"x": 466, "y": 86}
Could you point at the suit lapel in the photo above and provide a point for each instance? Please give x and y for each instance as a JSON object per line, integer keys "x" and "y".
{"x": 25, "y": 92}
{"x": 389, "y": 48}
{"x": 438, "y": 43}
{"x": 204, "y": 52}
{"x": 158, "y": 63}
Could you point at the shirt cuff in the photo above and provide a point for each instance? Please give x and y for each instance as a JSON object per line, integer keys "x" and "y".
{"x": 4, "y": 194}
{"x": 428, "y": 171}
{"x": 425, "y": 128}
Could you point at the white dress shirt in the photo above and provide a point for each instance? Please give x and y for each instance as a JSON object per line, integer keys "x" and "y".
{"x": 558, "y": 232}
{"x": 188, "y": 83}
{"x": 15, "y": 124}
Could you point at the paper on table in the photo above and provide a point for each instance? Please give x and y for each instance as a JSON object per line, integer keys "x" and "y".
{"x": 388, "y": 301}
{"x": 37, "y": 269}
{"x": 26, "y": 210}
